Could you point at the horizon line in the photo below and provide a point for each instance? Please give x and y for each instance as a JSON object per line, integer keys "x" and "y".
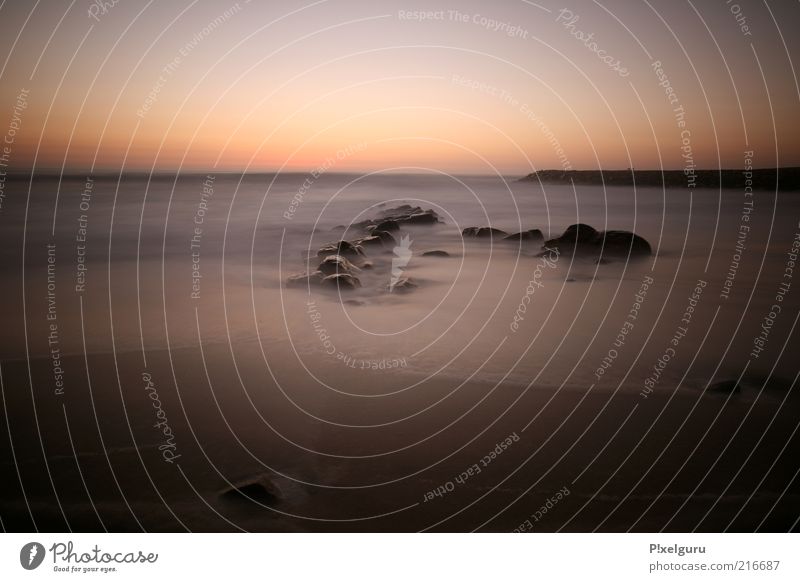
{"x": 175, "y": 171}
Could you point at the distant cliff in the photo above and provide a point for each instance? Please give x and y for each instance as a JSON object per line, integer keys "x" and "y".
{"x": 760, "y": 179}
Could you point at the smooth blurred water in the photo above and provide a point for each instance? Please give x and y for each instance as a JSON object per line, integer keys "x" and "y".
{"x": 140, "y": 263}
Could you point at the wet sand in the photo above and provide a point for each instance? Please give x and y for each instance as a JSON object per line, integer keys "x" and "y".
{"x": 676, "y": 461}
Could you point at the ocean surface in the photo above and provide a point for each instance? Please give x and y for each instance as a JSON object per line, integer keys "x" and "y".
{"x": 148, "y": 241}
{"x": 118, "y": 287}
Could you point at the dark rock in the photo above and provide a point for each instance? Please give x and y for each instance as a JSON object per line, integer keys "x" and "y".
{"x": 305, "y": 279}
{"x": 343, "y": 248}
{"x": 377, "y": 238}
{"x": 405, "y": 213}
{"x": 424, "y": 217}
{"x": 585, "y": 240}
{"x": 578, "y": 233}
{"x": 342, "y": 281}
{"x": 533, "y": 235}
{"x": 619, "y": 242}
{"x": 388, "y": 226}
{"x": 403, "y": 285}
{"x": 258, "y": 489}
{"x": 386, "y": 237}
{"x": 365, "y": 225}
{"x": 370, "y": 241}
{"x": 333, "y": 264}
{"x": 483, "y": 232}
{"x": 436, "y": 253}
{"x": 390, "y": 219}
{"x": 403, "y": 209}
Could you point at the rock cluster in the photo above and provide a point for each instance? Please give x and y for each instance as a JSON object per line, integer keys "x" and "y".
{"x": 581, "y": 240}
{"x": 343, "y": 260}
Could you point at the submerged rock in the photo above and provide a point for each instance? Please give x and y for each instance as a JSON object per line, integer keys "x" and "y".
{"x": 423, "y": 217}
{"x": 333, "y": 264}
{"x": 405, "y": 213}
{"x": 390, "y": 219}
{"x": 403, "y": 285}
{"x": 370, "y": 241}
{"x": 483, "y": 232}
{"x": 385, "y": 236}
{"x": 342, "y": 281}
{"x": 533, "y": 235}
{"x": 436, "y": 253}
{"x": 388, "y": 226}
{"x": 618, "y": 242}
{"x": 578, "y": 233}
{"x": 586, "y": 241}
{"x": 400, "y": 210}
{"x": 258, "y": 489}
{"x": 343, "y": 248}
{"x": 377, "y": 238}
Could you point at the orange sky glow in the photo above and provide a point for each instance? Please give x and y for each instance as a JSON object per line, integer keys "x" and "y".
{"x": 464, "y": 87}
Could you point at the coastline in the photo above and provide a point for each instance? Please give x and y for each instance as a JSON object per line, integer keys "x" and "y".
{"x": 783, "y": 179}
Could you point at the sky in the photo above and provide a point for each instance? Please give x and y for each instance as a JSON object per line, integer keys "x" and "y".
{"x": 465, "y": 87}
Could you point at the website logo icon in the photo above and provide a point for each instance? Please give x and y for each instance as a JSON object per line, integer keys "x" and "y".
{"x": 31, "y": 555}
